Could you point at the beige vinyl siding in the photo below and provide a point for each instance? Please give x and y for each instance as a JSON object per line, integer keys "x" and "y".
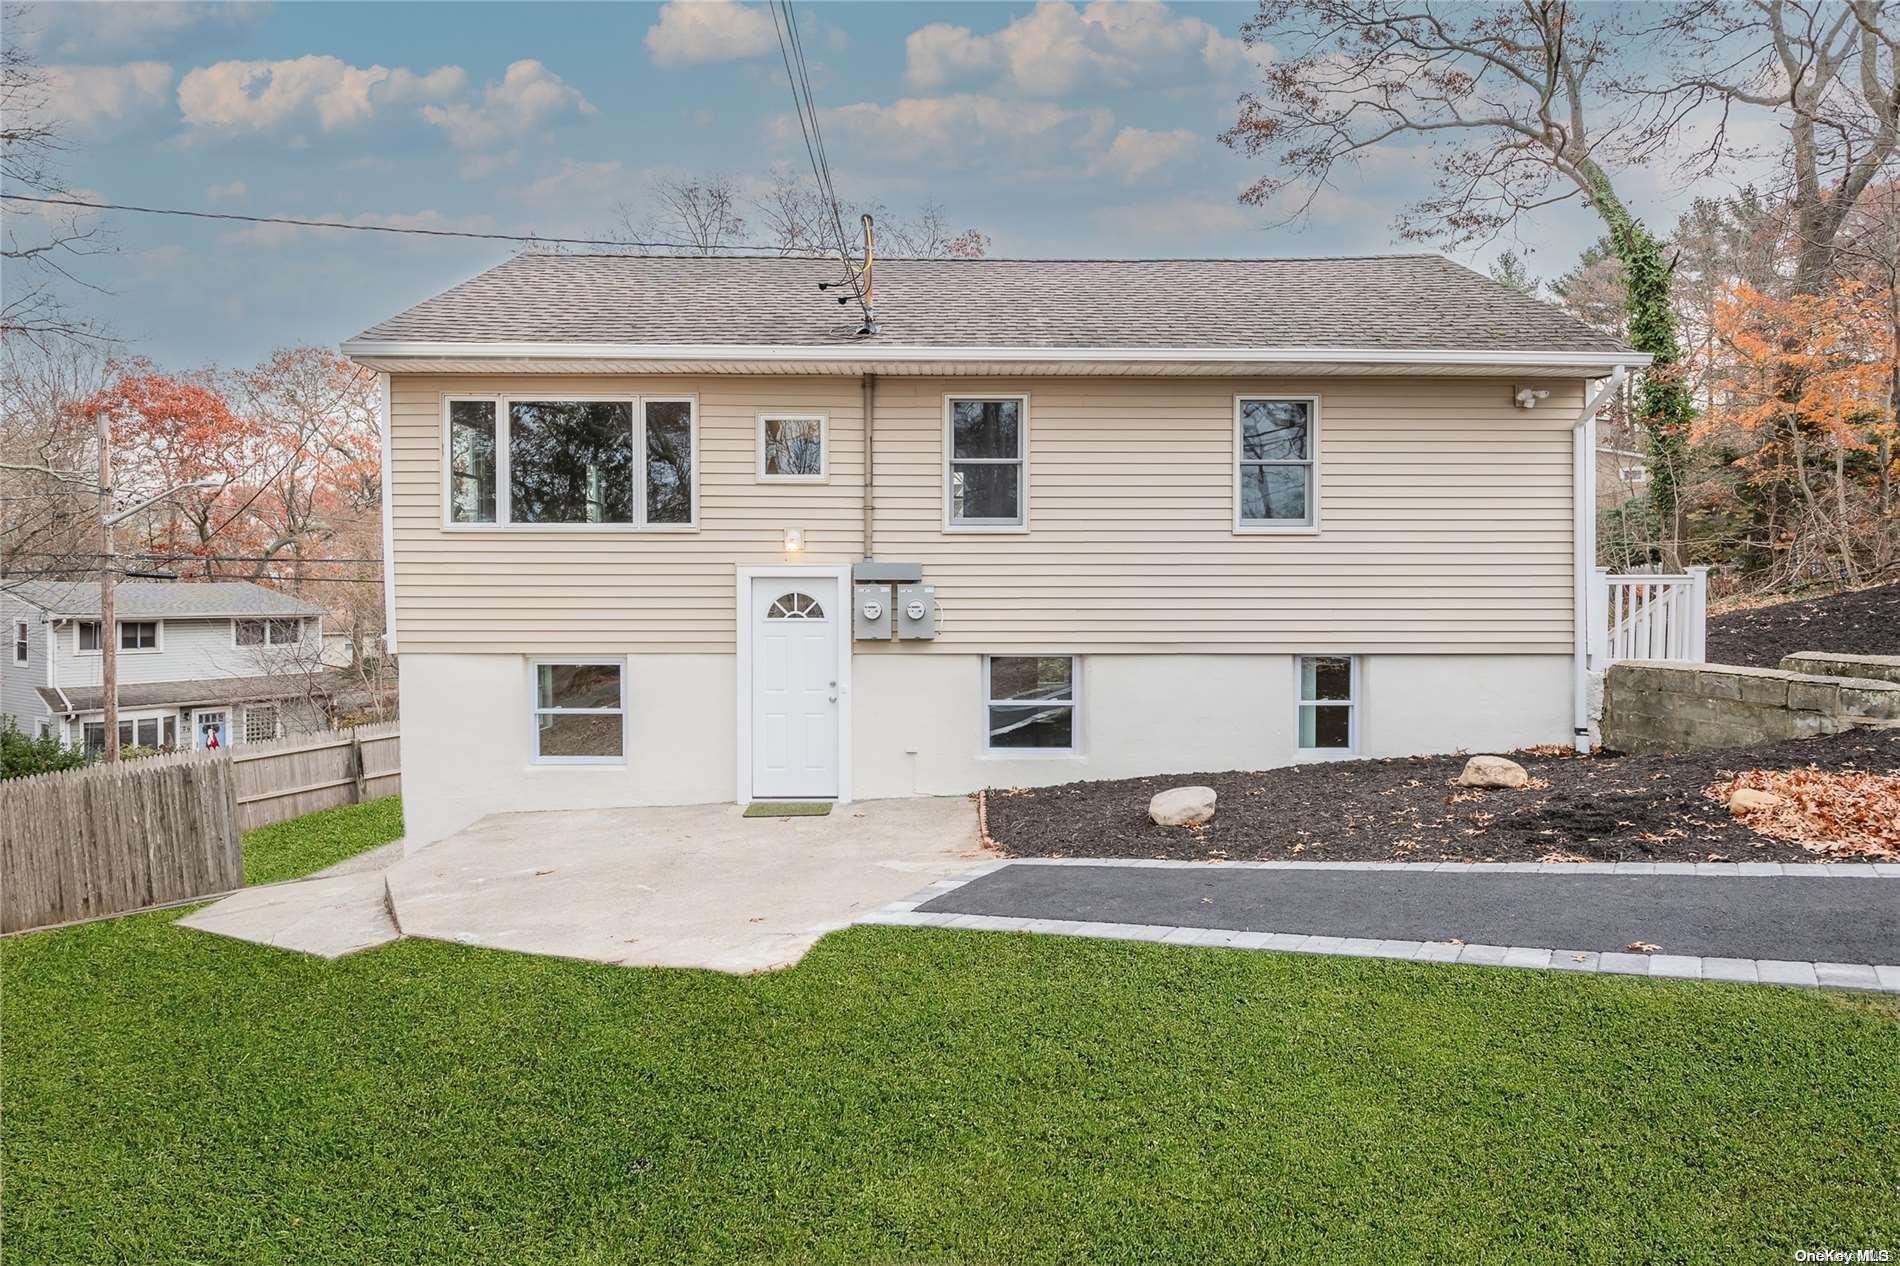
{"x": 1445, "y": 523}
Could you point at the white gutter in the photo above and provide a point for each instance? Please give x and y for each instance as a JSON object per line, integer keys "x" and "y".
{"x": 1583, "y": 533}
{"x": 887, "y": 353}
{"x": 389, "y": 530}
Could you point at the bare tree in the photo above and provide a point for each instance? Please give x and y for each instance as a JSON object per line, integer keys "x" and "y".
{"x": 39, "y": 240}
{"x": 49, "y": 504}
{"x": 699, "y": 212}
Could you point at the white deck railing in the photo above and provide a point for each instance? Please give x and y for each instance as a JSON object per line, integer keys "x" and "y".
{"x": 1639, "y": 616}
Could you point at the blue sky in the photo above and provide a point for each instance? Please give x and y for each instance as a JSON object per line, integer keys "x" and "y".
{"x": 1058, "y": 129}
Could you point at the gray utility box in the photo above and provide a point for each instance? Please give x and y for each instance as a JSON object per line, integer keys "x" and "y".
{"x": 916, "y": 611}
{"x": 871, "y": 612}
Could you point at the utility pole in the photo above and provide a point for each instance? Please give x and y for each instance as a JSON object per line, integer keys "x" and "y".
{"x": 108, "y": 579}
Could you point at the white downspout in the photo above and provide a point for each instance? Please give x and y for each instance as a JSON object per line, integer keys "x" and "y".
{"x": 389, "y": 528}
{"x": 1584, "y": 537}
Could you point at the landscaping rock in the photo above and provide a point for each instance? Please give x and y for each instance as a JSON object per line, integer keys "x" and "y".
{"x": 1747, "y": 799}
{"x": 1493, "y": 771}
{"x": 1182, "y": 806}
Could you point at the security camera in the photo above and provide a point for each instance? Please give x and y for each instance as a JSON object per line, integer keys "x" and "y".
{"x": 1527, "y": 397}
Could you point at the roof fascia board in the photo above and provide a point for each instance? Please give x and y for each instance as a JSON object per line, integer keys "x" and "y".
{"x": 398, "y": 348}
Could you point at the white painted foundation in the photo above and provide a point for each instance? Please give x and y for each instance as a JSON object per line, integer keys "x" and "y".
{"x": 918, "y": 725}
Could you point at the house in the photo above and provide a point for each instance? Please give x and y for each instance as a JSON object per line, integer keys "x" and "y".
{"x": 673, "y": 529}
{"x": 1622, "y": 476}
{"x": 212, "y": 664}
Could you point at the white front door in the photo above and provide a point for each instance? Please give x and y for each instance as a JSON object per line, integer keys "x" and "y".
{"x": 795, "y": 630}
{"x": 210, "y": 730}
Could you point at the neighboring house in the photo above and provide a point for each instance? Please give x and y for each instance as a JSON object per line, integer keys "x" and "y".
{"x": 1123, "y": 517}
{"x": 1622, "y": 475}
{"x": 226, "y": 662}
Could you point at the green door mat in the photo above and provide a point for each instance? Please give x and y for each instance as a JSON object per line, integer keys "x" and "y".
{"x": 788, "y": 808}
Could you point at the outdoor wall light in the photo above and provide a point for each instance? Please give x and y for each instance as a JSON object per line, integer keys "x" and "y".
{"x": 794, "y": 540}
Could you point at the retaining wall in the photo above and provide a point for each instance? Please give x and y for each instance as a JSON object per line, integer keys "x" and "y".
{"x": 1658, "y": 706}
{"x": 1828, "y": 664}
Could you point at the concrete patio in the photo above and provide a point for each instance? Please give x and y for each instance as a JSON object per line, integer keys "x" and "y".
{"x": 698, "y": 886}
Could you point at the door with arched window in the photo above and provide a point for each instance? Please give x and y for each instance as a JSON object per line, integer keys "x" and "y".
{"x": 795, "y": 631}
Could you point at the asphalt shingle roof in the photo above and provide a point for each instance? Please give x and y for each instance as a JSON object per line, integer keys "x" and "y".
{"x": 1392, "y": 302}
{"x": 158, "y": 599}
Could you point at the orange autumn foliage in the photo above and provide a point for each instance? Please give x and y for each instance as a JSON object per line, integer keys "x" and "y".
{"x": 1837, "y": 347}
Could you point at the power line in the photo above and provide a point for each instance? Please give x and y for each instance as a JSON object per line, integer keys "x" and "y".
{"x": 390, "y": 228}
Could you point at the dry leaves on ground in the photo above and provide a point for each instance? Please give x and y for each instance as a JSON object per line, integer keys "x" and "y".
{"x": 1841, "y": 813}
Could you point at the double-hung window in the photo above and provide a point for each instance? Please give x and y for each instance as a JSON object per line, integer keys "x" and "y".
{"x": 550, "y": 461}
{"x": 86, "y": 633}
{"x": 1276, "y": 464}
{"x": 580, "y": 712}
{"x": 278, "y": 632}
{"x": 134, "y": 635}
{"x": 986, "y": 463}
{"x": 1029, "y": 702}
{"x": 1329, "y": 705}
{"x": 20, "y": 642}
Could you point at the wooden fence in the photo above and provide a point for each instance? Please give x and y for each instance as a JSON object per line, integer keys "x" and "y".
{"x": 290, "y": 777}
{"x": 111, "y": 838}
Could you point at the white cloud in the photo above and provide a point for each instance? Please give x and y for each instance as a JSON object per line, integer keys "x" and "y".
{"x": 68, "y": 30}
{"x": 1137, "y": 153}
{"x": 1057, "y": 49}
{"x": 967, "y": 129}
{"x": 256, "y": 96}
{"x": 233, "y": 192}
{"x": 528, "y": 95}
{"x": 691, "y": 32}
{"x": 575, "y": 180}
{"x": 87, "y": 97}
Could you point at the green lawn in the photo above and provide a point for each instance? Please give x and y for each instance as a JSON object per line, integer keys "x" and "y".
{"x": 291, "y": 849}
{"x": 923, "y": 1096}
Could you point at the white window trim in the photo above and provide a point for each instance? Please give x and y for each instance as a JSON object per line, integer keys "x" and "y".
{"x": 303, "y": 633}
{"x": 503, "y": 506}
{"x": 1021, "y": 525}
{"x": 1070, "y": 752}
{"x": 1268, "y": 527}
{"x": 535, "y": 710}
{"x": 1352, "y": 705}
{"x": 22, "y": 642}
{"x": 131, "y": 718}
{"x": 157, "y": 648}
{"x": 793, "y": 415}
{"x": 742, "y": 598}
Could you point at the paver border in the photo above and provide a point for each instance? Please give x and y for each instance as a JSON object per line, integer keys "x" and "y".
{"x": 1880, "y": 978}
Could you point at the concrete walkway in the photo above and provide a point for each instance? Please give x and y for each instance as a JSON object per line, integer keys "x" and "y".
{"x": 700, "y": 886}
{"x": 328, "y": 917}
{"x": 1827, "y": 925}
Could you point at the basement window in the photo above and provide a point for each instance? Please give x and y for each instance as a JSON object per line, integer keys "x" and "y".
{"x": 580, "y": 712}
{"x": 1030, "y": 702}
{"x": 1329, "y": 705}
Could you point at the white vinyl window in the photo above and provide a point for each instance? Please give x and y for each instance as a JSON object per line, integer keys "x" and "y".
{"x": 986, "y": 463}
{"x": 1276, "y": 464}
{"x": 1329, "y": 705}
{"x": 550, "y": 461}
{"x": 579, "y": 712}
{"x": 793, "y": 448}
{"x": 273, "y": 632}
{"x": 20, "y": 642}
{"x": 1029, "y": 703}
{"x": 134, "y": 635}
{"x": 157, "y": 732}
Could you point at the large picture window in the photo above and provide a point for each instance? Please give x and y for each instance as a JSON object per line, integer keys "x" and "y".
{"x": 986, "y": 445}
{"x": 1030, "y": 702}
{"x": 552, "y": 462}
{"x": 1329, "y": 705}
{"x": 1276, "y": 484}
{"x": 580, "y": 712}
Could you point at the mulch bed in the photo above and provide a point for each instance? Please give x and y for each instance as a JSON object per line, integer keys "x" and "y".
{"x": 1594, "y": 808}
{"x": 1866, "y": 622}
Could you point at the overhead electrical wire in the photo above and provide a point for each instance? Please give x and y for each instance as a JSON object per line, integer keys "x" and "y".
{"x": 792, "y": 51}
{"x": 390, "y": 228}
